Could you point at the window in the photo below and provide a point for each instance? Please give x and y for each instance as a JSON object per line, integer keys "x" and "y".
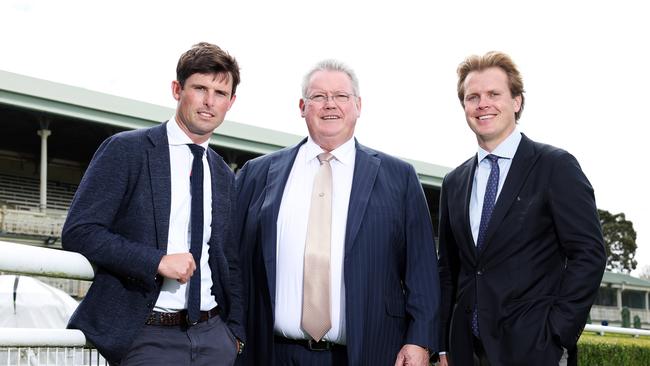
{"x": 634, "y": 299}
{"x": 606, "y": 297}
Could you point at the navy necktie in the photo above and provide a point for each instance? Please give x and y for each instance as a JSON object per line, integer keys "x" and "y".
{"x": 490, "y": 198}
{"x": 196, "y": 228}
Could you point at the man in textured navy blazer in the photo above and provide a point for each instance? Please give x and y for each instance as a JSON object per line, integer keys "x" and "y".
{"x": 521, "y": 249}
{"x": 134, "y": 217}
{"x": 382, "y": 293}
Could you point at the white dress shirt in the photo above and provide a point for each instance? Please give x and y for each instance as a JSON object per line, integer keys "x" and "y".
{"x": 173, "y": 295}
{"x": 505, "y": 151}
{"x": 292, "y": 234}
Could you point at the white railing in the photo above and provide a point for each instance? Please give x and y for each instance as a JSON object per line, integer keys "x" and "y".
{"x": 32, "y": 346}
{"x": 602, "y": 329}
{"x": 32, "y": 260}
{"x": 43, "y": 356}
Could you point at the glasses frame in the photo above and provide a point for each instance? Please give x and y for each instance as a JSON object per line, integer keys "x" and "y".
{"x": 338, "y": 98}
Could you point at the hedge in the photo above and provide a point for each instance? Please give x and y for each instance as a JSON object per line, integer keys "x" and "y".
{"x": 613, "y": 349}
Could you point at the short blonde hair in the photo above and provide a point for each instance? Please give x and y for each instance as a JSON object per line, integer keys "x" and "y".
{"x": 492, "y": 59}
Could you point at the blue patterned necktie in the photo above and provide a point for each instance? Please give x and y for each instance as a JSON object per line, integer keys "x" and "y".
{"x": 490, "y": 198}
{"x": 196, "y": 227}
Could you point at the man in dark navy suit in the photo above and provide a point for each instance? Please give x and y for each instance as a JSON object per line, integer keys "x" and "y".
{"x": 340, "y": 243}
{"x": 154, "y": 213}
{"x": 521, "y": 249}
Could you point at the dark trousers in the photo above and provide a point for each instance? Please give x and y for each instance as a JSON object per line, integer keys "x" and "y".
{"x": 206, "y": 343}
{"x": 480, "y": 358}
{"x": 288, "y": 354}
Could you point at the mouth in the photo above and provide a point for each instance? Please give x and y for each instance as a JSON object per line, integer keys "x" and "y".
{"x": 486, "y": 117}
{"x": 330, "y": 117}
{"x": 205, "y": 114}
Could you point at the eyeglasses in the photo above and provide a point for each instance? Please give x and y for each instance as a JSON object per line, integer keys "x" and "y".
{"x": 338, "y": 98}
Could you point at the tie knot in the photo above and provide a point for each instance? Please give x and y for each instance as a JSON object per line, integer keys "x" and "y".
{"x": 325, "y": 157}
{"x": 197, "y": 150}
{"x": 493, "y": 159}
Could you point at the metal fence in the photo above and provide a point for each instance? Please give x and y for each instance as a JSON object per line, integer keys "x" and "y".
{"x": 31, "y": 346}
{"x": 32, "y": 356}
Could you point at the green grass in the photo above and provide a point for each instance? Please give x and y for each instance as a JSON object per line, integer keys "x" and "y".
{"x": 613, "y": 349}
{"x": 614, "y": 338}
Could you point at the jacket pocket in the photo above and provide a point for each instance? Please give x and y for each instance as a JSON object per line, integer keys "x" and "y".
{"x": 395, "y": 306}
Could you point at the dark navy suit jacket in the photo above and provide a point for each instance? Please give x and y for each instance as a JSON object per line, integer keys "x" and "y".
{"x": 390, "y": 266}
{"x": 540, "y": 268}
{"x": 119, "y": 220}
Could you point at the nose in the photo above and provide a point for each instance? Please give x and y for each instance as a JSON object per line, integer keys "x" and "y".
{"x": 208, "y": 100}
{"x": 329, "y": 102}
{"x": 483, "y": 104}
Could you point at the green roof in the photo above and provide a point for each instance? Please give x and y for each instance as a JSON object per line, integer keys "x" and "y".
{"x": 624, "y": 279}
{"x": 70, "y": 101}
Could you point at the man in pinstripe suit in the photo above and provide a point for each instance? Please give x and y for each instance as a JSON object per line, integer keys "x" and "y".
{"x": 383, "y": 283}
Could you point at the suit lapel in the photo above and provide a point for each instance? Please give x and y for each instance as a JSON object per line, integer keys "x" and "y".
{"x": 466, "y": 190}
{"x": 522, "y": 164}
{"x": 276, "y": 179}
{"x": 220, "y": 196}
{"x": 366, "y": 166}
{"x": 159, "y": 172}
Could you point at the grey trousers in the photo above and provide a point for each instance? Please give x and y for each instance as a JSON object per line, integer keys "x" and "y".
{"x": 208, "y": 343}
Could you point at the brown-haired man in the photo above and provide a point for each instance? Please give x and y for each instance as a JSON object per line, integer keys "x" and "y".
{"x": 154, "y": 214}
{"x": 521, "y": 249}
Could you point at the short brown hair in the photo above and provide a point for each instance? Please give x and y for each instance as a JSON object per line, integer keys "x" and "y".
{"x": 492, "y": 59}
{"x": 207, "y": 58}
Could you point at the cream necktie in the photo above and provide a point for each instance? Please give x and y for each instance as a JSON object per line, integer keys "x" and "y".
{"x": 316, "y": 319}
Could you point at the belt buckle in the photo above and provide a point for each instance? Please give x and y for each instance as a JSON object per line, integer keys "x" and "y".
{"x": 190, "y": 323}
{"x": 319, "y": 346}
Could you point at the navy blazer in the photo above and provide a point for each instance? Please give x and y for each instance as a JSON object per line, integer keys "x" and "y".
{"x": 540, "y": 268}
{"x": 390, "y": 267}
{"x": 119, "y": 220}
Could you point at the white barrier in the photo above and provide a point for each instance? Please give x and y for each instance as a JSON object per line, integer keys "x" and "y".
{"x": 28, "y": 259}
{"x": 34, "y": 346}
{"x": 31, "y": 337}
{"x": 618, "y": 330}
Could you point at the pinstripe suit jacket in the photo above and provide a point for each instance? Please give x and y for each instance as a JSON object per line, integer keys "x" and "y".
{"x": 390, "y": 266}
{"x": 119, "y": 220}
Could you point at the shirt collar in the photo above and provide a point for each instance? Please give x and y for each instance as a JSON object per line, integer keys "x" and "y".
{"x": 344, "y": 153}
{"x": 176, "y": 136}
{"x": 506, "y": 149}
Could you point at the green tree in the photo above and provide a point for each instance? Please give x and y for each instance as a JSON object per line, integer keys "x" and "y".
{"x": 620, "y": 241}
{"x": 625, "y": 317}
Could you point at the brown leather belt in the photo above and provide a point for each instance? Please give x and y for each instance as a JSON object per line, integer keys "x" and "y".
{"x": 309, "y": 344}
{"x": 178, "y": 318}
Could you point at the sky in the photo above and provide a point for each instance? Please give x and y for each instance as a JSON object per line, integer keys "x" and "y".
{"x": 584, "y": 65}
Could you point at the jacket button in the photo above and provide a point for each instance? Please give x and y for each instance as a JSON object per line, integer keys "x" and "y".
{"x": 479, "y": 272}
{"x": 468, "y": 309}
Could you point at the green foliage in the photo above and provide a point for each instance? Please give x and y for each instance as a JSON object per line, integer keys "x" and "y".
{"x": 620, "y": 241}
{"x": 625, "y": 317}
{"x": 595, "y": 350}
{"x": 637, "y": 322}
